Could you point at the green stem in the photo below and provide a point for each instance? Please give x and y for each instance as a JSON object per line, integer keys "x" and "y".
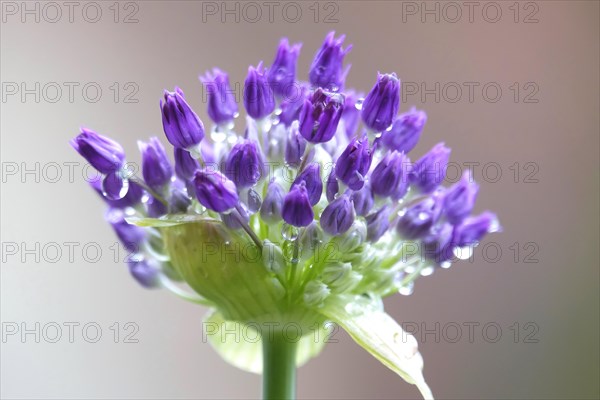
{"x": 279, "y": 366}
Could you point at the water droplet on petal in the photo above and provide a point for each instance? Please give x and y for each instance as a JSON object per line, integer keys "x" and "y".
{"x": 217, "y": 134}
{"x": 359, "y": 104}
{"x": 407, "y": 289}
{"x": 289, "y": 232}
{"x": 427, "y": 271}
{"x": 463, "y": 253}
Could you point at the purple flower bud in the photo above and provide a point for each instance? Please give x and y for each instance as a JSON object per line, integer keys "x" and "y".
{"x": 354, "y": 163}
{"x": 320, "y": 115}
{"x": 378, "y": 223}
{"x": 311, "y": 176}
{"x": 258, "y": 94}
{"x": 222, "y": 107}
{"x": 332, "y": 187}
{"x": 295, "y": 146}
{"x": 114, "y": 186}
{"x": 382, "y": 103}
{"x": 419, "y": 218}
{"x": 185, "y": 164}
{"x": 459, "y": 199}
{"x": 129, "y": 235}
{"x": 102, "y": 153}
{"x": 144, "y": 273}
{"x": 215, "y": 191}
{"x": 232, "y": 219}
{"x": 156, "y": 208}
{"x": 181, "y": 124}
{"x": 430, "y": 170}
{"x": 292, "y": 104}
{"x": 282, "y": 74}
{"x": 437, "y": 245}
{"x": 473, "y": 229}
{"x": 390, "y": 177}
{"x": 351, "y": 114}
{"x": 406, "y": 131}
{"x": 179, "y": 201}
{"x": 297, "y": 210}
{"x": 338, "y": 216}
{"x": 131, "y": 199}
{"x": 245, "y": 164}
{"x": 363, "y": 200}
{"x": 156, "y": 167}
{"x": 270, "y": 210}
{"x": 326, "y": 70}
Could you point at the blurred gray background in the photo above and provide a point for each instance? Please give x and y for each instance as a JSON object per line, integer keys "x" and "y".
{"x": 537, "y": 281}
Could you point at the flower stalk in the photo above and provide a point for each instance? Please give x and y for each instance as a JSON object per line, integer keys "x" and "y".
{"x": 279, "y": 366}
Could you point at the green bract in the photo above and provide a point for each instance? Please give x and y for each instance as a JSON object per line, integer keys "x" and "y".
{"x": 255, "y": 292}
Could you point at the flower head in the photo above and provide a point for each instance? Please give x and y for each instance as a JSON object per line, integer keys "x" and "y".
{"x": 258, "y": 250}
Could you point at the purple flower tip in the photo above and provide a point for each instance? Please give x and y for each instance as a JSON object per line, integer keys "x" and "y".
{"x": 215, "y": 191}
{"x": 382, "y": 103}
{"x": 459, "y": 199}
{"x": 101, "y": 152}
{"x": 297, "y": 210}
{"x": 245, "y": 164}
{"x": 222, "y": 106}
{"x": 258, "y": 94}
{"x": 282, "y": 74}
{"x": 353, "y": 164}
{"x": 406, "y": 131}
{"x": 429, "y": 172}
{"x": 156, "y": 167}
{"x": 311, "y": 177}
{"x": 320, "y": 115}
{"x": 390, "y": 176}
{"x": 473, "y": 229}
{"x": 182, "y": 126}
{"x": 338, "y": 216}
{"x": 326, "y": 70}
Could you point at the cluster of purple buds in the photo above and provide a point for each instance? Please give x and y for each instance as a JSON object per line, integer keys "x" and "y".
{"x": 315, "y": 160}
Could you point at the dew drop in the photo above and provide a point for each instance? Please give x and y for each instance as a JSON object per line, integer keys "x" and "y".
{"x": 427, "y": 271}
{"x": 217, "y": 134}
{"x": 423, "y": 216}
{"x": 359, "y": 104}
{"x": 289, "y": 232}
{"x": 352, "y": 309}
{"x": 446, "y": 264}
{"x": 407, "y": 290}
{"x": 463, "y": 253}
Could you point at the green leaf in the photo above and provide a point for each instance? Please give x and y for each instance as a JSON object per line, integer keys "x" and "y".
{"x": 241, "y": 345}
{"x": 380, "y": 335}
{"x": 167, "y": 220}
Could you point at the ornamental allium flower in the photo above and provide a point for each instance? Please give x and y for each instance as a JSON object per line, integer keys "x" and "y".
{"x": 405, "y": 131}
{"x": 182, "y": 126}
{"x": 382, "y": 103}
{"x": 320, "y": 115}
{"x": 327, "y": 70}
{"x": 222, "y": 107}
{"x": 282, "y": 73}
{"x": 258, "y": 94}
{"x": 245, "y": 223}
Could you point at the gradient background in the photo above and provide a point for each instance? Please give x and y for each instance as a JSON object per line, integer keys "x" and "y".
{"x": 171, "y": 45}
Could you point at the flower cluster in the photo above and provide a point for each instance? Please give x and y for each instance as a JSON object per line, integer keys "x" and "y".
{"x": 314, "y": 210}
